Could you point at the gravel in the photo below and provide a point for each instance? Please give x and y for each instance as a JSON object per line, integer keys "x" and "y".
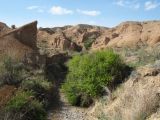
{"x": 64, "y": 111}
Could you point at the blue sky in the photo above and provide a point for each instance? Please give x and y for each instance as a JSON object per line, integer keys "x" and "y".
{"x": 50, "y": 13}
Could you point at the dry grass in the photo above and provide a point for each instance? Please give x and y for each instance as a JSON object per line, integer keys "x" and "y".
{"x": 137, "y": 99}
{"x": 140, "y": 56}
{"x": 6, "y": 92}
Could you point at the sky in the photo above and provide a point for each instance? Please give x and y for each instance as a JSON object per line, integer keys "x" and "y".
{"x": 51, "y": 13}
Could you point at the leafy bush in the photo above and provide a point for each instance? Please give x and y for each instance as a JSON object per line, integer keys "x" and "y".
{"x": 25, "y": 106}
{"x": 19, "y": 100}
{"x": 89, "y": 74}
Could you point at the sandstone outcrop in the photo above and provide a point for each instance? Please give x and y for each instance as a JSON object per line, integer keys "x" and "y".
{"x": 132, "y": 34}
{"x": 18, "y": 43}
{"x": 27, "y": 34}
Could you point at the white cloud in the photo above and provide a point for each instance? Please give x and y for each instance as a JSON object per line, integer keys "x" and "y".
{"x": 32, "y": 7}
{"x": 58, "y": 10}
{"x": 89, "y": 13}
{"x": 36, "y": 8}
{"x": 133, "y": 4}
{"x": 151, "y": 5}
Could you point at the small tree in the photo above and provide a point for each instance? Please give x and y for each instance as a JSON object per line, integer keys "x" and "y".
{"x": 89, "y": 74}
{"x": 13, "y": 27}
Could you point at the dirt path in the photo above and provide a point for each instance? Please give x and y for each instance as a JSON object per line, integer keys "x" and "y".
{"x": 62, "y": 110}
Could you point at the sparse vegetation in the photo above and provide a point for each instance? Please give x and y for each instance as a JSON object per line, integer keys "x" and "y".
{"x": 140, "y": 56}
{"x": 11, "y": 72}
{"x": 102, "y": 116}
{"x": 40, "y": 86}
{"x": 32, "y": 96}
{"x": 89, "y": 74}
{"x": 36, "y": 84}
{"x": 88, "y": 42}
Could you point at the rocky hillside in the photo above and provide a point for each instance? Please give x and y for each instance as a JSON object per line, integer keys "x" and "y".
{"x": 126, "y": 34}
{"x": 77, "y": 38}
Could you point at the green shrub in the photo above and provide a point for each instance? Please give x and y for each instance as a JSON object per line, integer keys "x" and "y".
{"x": 30, "y": 101}
{"x": 11, "y": 72}
{"x": 89, "y": 74}
{"x": 37, "y": 111}
{"x": 19, "y": 100}
{"x": 40, "y": 86}
{"x": 36, "y": 84}
{"x": 24, "y": 106}
{"x": 88, "y": 43}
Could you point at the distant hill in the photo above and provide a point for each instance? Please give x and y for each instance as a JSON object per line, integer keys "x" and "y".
{"x": 126, "y": 34}
{"x": 79, "y": 37}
